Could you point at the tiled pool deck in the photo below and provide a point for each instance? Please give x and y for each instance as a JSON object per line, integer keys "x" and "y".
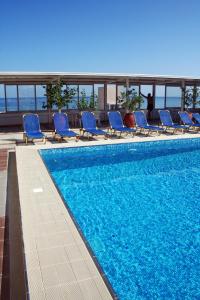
{"x": 58, "y": 264}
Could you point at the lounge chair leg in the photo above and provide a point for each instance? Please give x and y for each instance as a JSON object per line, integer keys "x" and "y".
{"x": 44, "y": 140}
{"x": 26, "y": 140}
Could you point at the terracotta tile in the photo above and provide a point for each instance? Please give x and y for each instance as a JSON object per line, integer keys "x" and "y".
{"x": 1, "y": 248}
{"x": 2, "y": 232}
{"x": 2, "y": 221}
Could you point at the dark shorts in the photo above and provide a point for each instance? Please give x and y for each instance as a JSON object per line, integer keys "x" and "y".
{"x": 150, "y": 107}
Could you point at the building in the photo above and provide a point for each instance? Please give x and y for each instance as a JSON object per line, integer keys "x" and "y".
{"x": 22, "y": 92}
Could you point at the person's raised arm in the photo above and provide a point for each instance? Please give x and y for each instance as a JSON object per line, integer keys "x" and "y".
{"x": 143, "y": 95}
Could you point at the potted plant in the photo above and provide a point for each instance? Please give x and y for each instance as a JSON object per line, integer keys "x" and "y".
{"x": 191, "y": 96}
{"x": 59, "y": 95}
{"x": 83, "y": 103}
{"x": 130, "y": 101}
{"x": 50, "y": 100}
{"x": 87, "y": 103}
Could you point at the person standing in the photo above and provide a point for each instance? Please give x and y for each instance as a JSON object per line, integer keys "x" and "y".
{"x": 150, "y": 103}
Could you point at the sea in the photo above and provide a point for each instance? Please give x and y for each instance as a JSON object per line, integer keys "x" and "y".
{"x": 26, "y": 104}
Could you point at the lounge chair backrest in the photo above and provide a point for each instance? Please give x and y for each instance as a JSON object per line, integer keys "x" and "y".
{"x": 88, "y": 120}
{"x": 165, "y": 118}
{"x": 140, "y": 118}
{"x": 115, "y": 119}
{"x": 31, "y": 123}
{"x": 196, "y": 116}
{"x": 61, "y": 121}
{"x": 185, "y": 118}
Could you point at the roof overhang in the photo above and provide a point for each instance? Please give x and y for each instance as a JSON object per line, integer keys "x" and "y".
{"x": 87, "y": 78}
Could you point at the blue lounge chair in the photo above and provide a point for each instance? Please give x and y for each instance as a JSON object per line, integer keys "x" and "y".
{"x": 141, "y": 122}
{"x": 116, "y": 123}
{"x": 61, "y": 124}
{"x": 196, "y": 116}
{"x": 89, "y": 124}
{"x": 32, "y": 130}
{"x": 167, "y": 122}
{"x": 186, "y": 120}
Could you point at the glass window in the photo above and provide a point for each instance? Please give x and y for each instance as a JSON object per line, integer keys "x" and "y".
{"x": 41, "y": 99}
{"x": 99, "y": 96}
{"x": 135, "y": 87}
{"x": 173, "y": 96}
{"x": 198, "y": 98}
{"x": 159, "y": 96}
{"x": 190, "y": 90}
{"x": 74, "y": 103}
{"x": 2, "y": 98}
{"x": 11, "y": 98}
{"x": 26, "y": 97}
{"x": 85, "y": 96}
{"x": 120, "y": 89}
{"x": 145, "y": 90}
{"x": 111, "y": 96}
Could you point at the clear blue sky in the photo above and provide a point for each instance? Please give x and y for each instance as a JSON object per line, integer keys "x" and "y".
{"x": 146, "y": 36}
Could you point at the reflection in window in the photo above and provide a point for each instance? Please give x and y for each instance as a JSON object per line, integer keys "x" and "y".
{"x": 120, "y": 89}
{"x": 85, "y": 96}
{"x": 159, "y": 96}
{"x": 145, "y": 90}
{"x": 41, "y": 99}
{"x": 99, "y": 96}
{"x": 74, "y": 103}
{"x": 111, "y": 96}
{"x": 11, "y": 98}
{"x": 190, "y": 90}
{"x": 198, "y": 98}
{"x": 173, "y": 96}
{"x": 2, "y": 98}
{"x": 26, "y": 97}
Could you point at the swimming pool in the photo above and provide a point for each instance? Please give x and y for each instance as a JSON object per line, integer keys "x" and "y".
{"x": 138, "y": 206}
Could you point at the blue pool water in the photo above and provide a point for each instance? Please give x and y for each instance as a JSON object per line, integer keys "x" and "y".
{"x": 138, "y": 206}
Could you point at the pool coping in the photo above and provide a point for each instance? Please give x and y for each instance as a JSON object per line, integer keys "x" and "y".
{"x": 91, "y": 282}
{"x": 91, "y": 252}
{"x": 34, "y": 149}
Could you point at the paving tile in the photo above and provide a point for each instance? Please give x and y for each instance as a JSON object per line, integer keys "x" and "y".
{"x": 89, "y": 290}
{"x": 50, "y": 276}
{"x": 54, "y": 293}
{"x": 72, "y": 292}
{"x": 84, "y": 251}
{"x": 73, "y": 252}
{"x": 35, "y": 284}
{"x": 80, "y": 270}
{"x": 65, "y": 273}
{"x": 52, "y": 256}
{"x": 105, "y": 294}
{"x": 92, "y": 267}
{"x": 32, "y": 260}
{"x": 55, "y": 261}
